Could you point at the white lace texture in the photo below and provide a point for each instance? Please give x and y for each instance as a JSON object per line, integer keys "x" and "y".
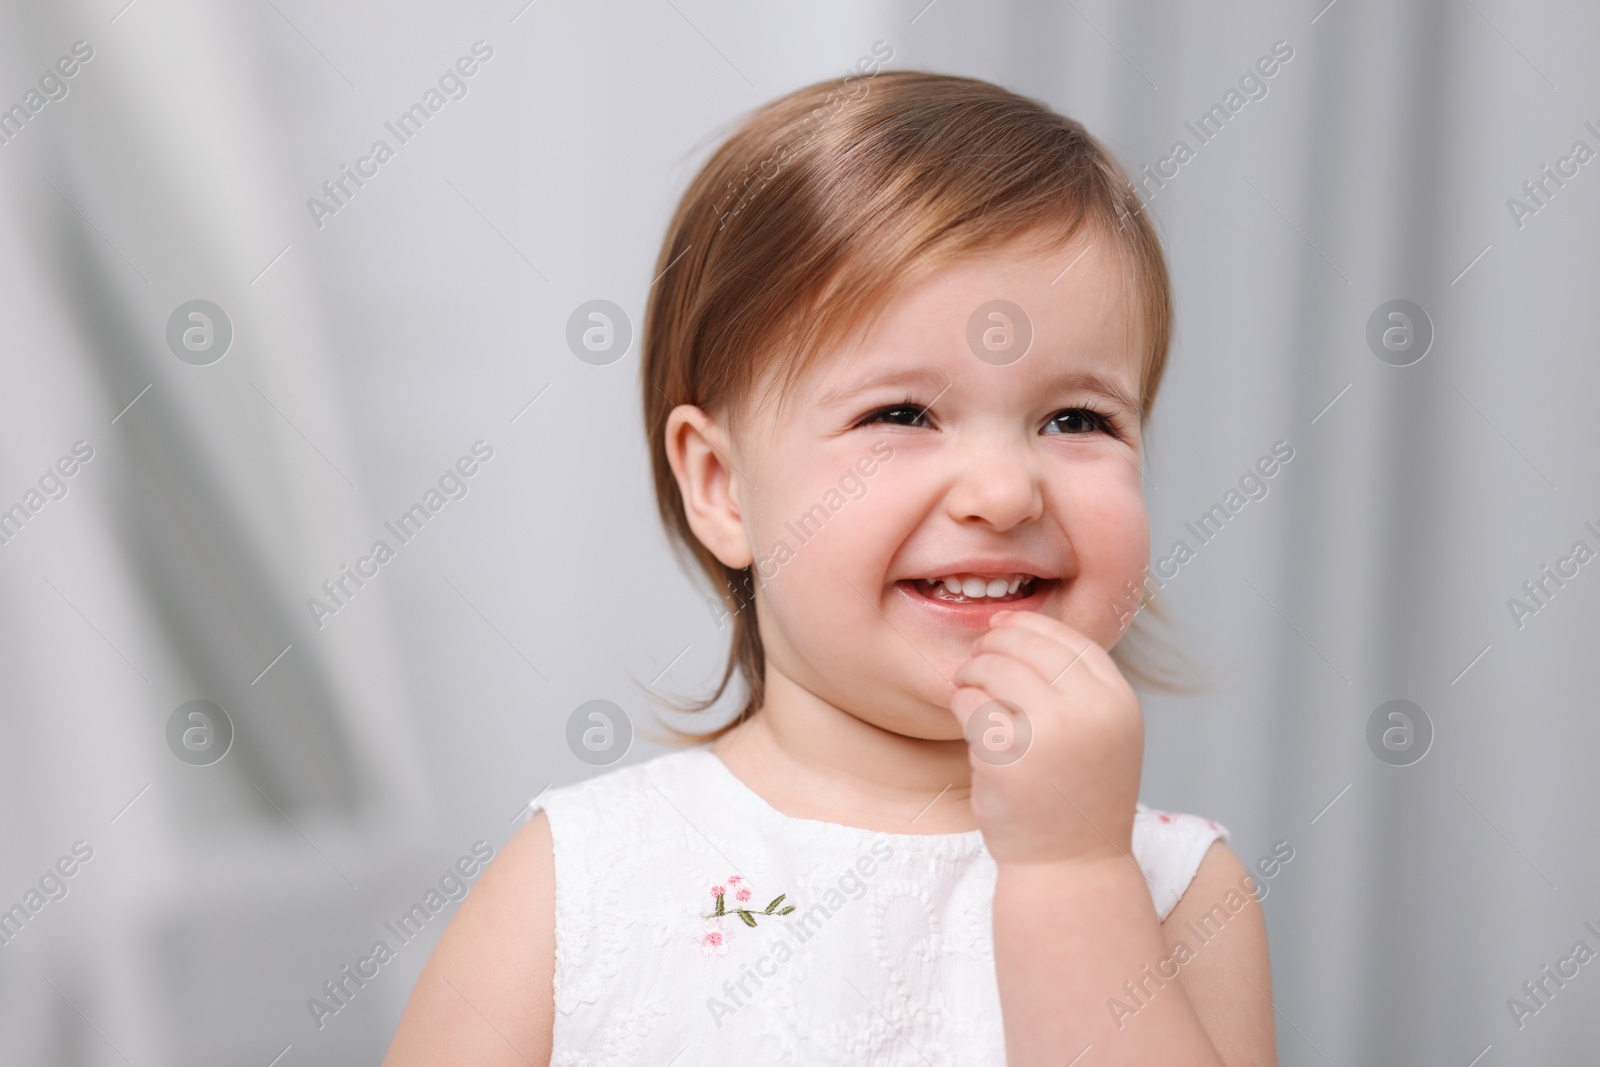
{"x": 695, "y": 921}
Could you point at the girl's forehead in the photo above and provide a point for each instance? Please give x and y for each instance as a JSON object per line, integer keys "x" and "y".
{"x": 1024, "y": 315}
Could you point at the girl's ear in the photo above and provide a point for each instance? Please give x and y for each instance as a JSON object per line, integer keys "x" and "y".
{"x": 697, "y": 449}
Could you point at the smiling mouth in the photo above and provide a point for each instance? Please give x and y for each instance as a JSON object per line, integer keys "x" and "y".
{"x": 977, "y": 589}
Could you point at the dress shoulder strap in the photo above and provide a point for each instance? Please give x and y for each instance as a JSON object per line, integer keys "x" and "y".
{"x": 1169, "y": 846}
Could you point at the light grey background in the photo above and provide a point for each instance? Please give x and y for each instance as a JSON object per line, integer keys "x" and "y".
{"x": 370, "y": 353}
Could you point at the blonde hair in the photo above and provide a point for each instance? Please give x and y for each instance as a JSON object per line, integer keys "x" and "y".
{"x": 806, "y": 219}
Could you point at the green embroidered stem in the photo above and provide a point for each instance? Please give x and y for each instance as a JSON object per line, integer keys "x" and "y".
{"x": 747, "y": 916}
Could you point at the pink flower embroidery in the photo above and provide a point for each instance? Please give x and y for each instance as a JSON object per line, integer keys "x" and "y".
{"x": 1164, "y": 817}
{"x": 714, "y": 942}
{"x": 746, "y": 915}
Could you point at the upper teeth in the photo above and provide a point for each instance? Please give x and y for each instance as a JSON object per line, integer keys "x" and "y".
{"x": 973, "y": 585}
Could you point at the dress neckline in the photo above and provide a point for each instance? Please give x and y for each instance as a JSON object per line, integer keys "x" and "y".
{"x": 962, "y": 841}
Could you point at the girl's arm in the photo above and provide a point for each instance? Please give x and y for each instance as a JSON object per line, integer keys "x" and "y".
{"x": 1085, "y": 968}
{"x": 1229, "y": 978}
{"x": 1074, "y": 925}
{"x": 486, "y": 995}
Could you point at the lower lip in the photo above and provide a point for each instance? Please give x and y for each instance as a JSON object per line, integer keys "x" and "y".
{"x": 974, "y": 615}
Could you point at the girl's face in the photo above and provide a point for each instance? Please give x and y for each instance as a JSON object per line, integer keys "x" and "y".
{"x": 905, "y": 459}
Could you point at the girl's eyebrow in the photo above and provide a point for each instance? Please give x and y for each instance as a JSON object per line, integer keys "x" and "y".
{"x": 1088, "y": 381}
{"x": 905, "y": 376}
{"x": 1066, "y": 382}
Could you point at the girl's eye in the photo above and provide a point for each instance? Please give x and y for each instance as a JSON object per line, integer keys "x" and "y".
{"x": 1071, "y": 421}
{"x": 906, "y": 413}
{"x": 1075, "y": 421}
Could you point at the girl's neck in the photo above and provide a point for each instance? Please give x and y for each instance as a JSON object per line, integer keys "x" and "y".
{"x": 811, "y": 760}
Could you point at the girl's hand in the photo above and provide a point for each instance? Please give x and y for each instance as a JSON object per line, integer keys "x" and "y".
{"x": 1059, "y": 782}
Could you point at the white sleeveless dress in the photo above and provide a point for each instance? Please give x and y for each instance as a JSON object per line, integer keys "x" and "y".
{"x": 696, "y": 924}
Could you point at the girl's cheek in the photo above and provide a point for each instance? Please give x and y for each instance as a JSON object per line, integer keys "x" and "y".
{"x": 1132, "y": 550}
{"x": 1111, "y": 539}
{"x": 830, "y": 529}
{"x": 1111, "y": 516}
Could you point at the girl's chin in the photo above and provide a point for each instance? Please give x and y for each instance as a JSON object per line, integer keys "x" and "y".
{"x": 936, "y": 723}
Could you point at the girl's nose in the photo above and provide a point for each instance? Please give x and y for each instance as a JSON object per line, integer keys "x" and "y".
{"x": 995, "y": 485}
